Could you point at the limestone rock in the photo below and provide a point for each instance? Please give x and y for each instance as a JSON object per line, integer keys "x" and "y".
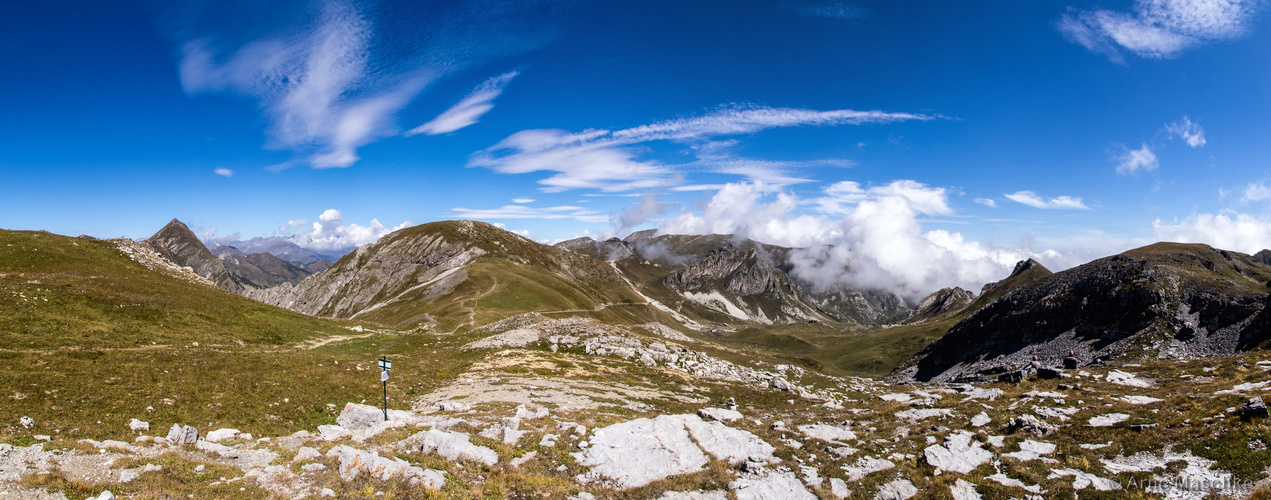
{"x": 306, "y": 454}
{"x": 354, "y": 461}
{"x": 1031, "y": 424}
{"x": 980, "y": 420}
{"x": 636, "y": 453}
{"x": 960, "y": 453}
{"x": 963, "y": 490}
{"x": 828, "y": 433}
{"x": 838, "y": 488}
{"x": 720, "y": 414}
{"x": 333, "y": 432}
{"x": 356, "y": 417}
{"x": 1253, "y": 408}
{"x": 774, "y": 485}
{"x": 27, "y": 422}
{"x": 219, "y": 435}
{"x": 900, "y": 489}
{"x": 139, "y": 426}
{"x": 179, "y": 435}
{"x": 1108, "y": 420}
{"x": 866, "y": 466}
{"x": 450, "y": 445}
{"x": 726, "y": 443}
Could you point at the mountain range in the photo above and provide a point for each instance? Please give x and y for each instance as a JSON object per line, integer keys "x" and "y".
{"x": 1163, "y": 300}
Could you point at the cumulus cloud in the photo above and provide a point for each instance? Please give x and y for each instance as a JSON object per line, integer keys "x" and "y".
{"x": 1133, "y": 160}
{"x": 224, "y": 172}
{"x": 988, "y": 202}
{"x": 1227, "y": 230}
{"x": 861, "y": 236}
{"x": 1255, "y": 191}
{"x": 467, "y": 111}
{"x": 1060, "y": 202}
{"x": 1188, "y": 131}
{"x": 330, "y": 233}
{"x": 608, "y": 159}
{"x": 1157, "y": 29}
{"x": 330, "y": 77}
{"x": 523, "y": 212}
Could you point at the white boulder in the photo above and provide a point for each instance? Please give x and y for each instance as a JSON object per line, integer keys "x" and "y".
{"x": 356, "y": 417}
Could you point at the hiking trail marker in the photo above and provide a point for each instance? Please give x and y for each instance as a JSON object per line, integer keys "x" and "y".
{"x": 385, "y": 365}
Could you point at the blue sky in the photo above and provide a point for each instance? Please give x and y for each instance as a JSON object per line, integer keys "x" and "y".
{"x": 929, "y": 143}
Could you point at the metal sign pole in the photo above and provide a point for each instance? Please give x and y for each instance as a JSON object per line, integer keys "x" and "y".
{"x": 385, "y": 365}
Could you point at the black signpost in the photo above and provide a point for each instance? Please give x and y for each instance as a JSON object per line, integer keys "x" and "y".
{"x": 385, "y": 365}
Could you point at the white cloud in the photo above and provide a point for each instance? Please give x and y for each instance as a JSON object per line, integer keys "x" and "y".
{"x": 524, "y": 233}
{"x": 467, "y": 111}
{"x": 1188, "y": 131}
{"x": 224, "y": 172}
{"x": 986, "y": 202}
{"x": 1059, "y": 202}
{"x": 330, "y": 233}
{"x": 835, "y": 10}
{"x": 523, "y": 212}
{"x": 606, "y": 160}
{"x": 1133, "y": 160}
{"x": 1227, "y": 230}
{"x": 1255, "y": 191}
{"x": 861, "y": 236}
{"x": 331, "y": 81}
{"x": 1158, "y": 28}
{"x": 523, "y": 201}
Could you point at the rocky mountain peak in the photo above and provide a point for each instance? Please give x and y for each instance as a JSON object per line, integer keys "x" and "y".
{"x": 177, "y": 243}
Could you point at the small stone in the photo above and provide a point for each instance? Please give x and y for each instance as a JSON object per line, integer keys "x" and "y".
{"x": 1029, "y": 423}
{"x": 778, "y": 425}
{"x": 838, "y": 488}
{"x": 139, "y": 426}
{"x": 26, "y": 422}
{"x": 220, "y": 435}
{"x": 1049, "y": 373}
{"x": 721, "y": 414}
{"x": 1254, "y": 408}
{"x": 980, "y": 420}
{"x": 327, "y": 492}
{"x": 1014, "y": 377}
{"x": 179, "y": 435}
{"x": 356, "y": 417}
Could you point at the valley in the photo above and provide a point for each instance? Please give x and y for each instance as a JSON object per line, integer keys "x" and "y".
{"x": 651, "y": 367}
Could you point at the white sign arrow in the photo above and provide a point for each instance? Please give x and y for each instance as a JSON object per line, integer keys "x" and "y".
{"x": 384, "y": 376}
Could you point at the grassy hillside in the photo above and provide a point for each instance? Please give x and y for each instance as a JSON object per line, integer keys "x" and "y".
{"x": 871, "y": 351}
{"x": 90, "y": 339}
{"x": 57, "y": 291}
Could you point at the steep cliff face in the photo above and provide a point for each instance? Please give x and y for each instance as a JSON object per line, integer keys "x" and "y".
{"x": 1166, "y": 300}
{"x": 420, "y": 273}
{"x": 177, "y": 243}
{"x": 730, "y": 278}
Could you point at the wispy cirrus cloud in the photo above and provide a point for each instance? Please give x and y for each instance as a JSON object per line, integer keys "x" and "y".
{"x": 524, "y": 212}
{"x": 1059, "y": 202}
{"x": 609, "y": 161}
{"x": 330, "y": 77}
{"x": 223, "y": 172}
{"x": 467, "y": 111}
{"x": 988, "y": 202}
{"x": 835, "y": 10}
{"x": 1157, "y": 29}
